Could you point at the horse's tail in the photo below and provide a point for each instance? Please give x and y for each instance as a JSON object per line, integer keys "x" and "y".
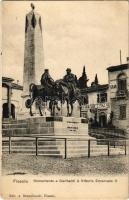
{"x": 28, "y": 103}
{"x": 31, "y": 87}
{"x": 32, "y": 91}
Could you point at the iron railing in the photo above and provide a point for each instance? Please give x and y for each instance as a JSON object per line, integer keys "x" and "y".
{"x": 108, "y": 143}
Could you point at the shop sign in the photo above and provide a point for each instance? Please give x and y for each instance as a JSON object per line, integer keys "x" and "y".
{"x": 99, "y": 106}
{"x": 103, "y": 106}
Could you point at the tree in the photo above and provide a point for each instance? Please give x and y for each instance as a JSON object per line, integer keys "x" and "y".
{"x": 83, "y": 79}
{"x": 96, "y": 80}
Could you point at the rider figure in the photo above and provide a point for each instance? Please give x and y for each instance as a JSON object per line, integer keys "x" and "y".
{"x": 71, "y": 80}
{"x": 46, "y": 79}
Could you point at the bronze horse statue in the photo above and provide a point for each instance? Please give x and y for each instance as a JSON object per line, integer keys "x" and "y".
{"x": 67, "y": 95}
{"x": 59, "y": 92}
{"x": 40, "y": 96}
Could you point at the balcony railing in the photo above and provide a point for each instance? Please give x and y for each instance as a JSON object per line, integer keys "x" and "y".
{"x": 122, "y": 93}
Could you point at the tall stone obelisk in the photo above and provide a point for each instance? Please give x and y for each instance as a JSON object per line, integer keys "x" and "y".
{"x": 33, "y": 52}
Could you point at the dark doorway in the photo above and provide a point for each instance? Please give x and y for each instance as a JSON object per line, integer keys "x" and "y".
{"x": 13, "y": 111}
{"x": 103, "y": 120}
{"x": 6, "y": 111}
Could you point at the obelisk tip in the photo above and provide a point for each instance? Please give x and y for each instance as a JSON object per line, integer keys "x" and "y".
{"x": 32, "y": 6}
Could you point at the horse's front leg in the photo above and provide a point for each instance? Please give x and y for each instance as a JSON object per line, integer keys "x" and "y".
{"x": 58, "y": 108}
{"x": 53, "y": 110}
{"x": 68, "y": 114}
{"x": 41, "y": 114}
{"x": 71, "y": 109}
{"x": 31, "y": 114}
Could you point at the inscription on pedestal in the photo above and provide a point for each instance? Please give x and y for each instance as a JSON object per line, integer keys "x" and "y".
{"x": 72, "y": 126}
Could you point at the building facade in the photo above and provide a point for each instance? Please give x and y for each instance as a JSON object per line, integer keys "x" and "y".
{"x": 11, "y": 98}
{"x": 119, "y": 94}
{"x": 98, "y": 108}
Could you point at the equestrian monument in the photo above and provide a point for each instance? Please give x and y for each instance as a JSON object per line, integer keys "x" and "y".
{"x": 49, "y": 105}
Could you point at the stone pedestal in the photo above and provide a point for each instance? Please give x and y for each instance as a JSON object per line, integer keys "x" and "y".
{"x": 70, "y": 134}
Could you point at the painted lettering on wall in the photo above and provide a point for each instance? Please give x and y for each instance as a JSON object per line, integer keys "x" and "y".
{"x": 113, "y": 86}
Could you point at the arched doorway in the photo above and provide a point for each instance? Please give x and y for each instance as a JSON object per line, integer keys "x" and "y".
{"x": 102, "y": 119}
{"x": 6, "y": 111}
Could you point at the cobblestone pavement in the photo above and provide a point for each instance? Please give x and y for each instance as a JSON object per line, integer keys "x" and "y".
{"x": 29, "y": 164}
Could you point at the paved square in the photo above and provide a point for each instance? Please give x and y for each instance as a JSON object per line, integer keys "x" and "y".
{"x": 40, "y": 165}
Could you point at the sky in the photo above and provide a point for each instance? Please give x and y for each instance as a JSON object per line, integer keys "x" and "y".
{"x": 75, "y": 34}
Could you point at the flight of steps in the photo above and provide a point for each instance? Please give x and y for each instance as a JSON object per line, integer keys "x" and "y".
{"x": 102, "y": 133}
{"x": 56, "y": 148}
{"x": 28, "y": 146}
{"x": 26, "y": 131}
{"x": 24, "y": 141}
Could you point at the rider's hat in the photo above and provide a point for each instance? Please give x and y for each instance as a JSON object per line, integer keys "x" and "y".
{"x": 68, "y": 70}
{"x": 46, "y": 70}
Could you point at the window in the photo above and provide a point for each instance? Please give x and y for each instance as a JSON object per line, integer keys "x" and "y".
{"x": 122, "y": 112}
{"x": 85, "y": 100}
{"x": 122, "y": 83}
{"x": 102, "y": 97}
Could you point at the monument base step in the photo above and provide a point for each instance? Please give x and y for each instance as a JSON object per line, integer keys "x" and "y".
{"x": 52, "y": 133}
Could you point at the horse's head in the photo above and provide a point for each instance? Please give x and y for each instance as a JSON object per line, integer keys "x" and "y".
{"x": 57, "y": 87}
